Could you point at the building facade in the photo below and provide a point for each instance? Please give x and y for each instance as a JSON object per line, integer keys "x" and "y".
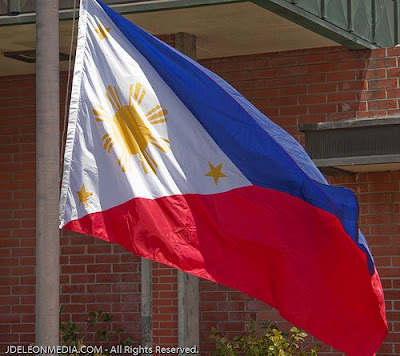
{"x": 292, "y": 87}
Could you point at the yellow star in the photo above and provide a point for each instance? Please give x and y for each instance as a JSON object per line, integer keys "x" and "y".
{"x": 102, "y": 31}
{"x": 215, "y": 172}
{"x": 84, "y": 195}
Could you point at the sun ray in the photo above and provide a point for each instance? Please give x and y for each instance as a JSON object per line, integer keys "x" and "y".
{"x": 101, "y": 114}
{"x": 158, "y": 121}
{"x": 137, "y": 90}
{"x": 156, "y": 144}
{"x": 141, "y": 96}
{"x": 105, "y": 136}
{"x": 130, "y": 94}
{"x": 166, "y": 141}
{"x": 100, "y": 111}
{"x": 161, "y": 113}
{"x": 148, "y": 158}
{"x": 109, "y": 147}
{"x": 141, "y": 158}
{"x": 107, "y": 142}
{"x": 114, "y": 93}
{"x": 153, "y": 110}
{"x": 118, "y": 98}
{"x": 114, "y": 99}
{"x": 150, "y": 161}
{"x": 122, "y": 161}
{"x": 120, "y": 164}
{"x": 111, "y": 102}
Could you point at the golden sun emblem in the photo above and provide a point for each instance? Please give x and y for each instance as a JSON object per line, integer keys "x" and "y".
{"x": 128, "y": 127}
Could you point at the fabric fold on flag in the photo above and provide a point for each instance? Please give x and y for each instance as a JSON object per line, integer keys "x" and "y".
{"x": 168, "y": 160}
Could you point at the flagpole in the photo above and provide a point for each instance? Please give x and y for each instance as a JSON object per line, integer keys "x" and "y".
{"x": 47, "y": 173}
{"x": 188, "y": 285}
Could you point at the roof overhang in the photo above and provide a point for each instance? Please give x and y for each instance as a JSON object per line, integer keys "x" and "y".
{"x": 354, "y": 145}
{"x": 222, "y": 29}
{"x": 354, "y": 23}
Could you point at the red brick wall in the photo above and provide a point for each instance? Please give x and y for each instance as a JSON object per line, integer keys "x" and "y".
{"x": 17, "y": 209}
{"x": 290, "y": 87}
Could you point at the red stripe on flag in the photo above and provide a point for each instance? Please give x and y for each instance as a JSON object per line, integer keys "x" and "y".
{"x": 266, "y": 243}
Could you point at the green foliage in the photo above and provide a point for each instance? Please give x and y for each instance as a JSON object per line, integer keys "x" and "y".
{"x": 267, "y": 341}
{"x": 97, "y": 322}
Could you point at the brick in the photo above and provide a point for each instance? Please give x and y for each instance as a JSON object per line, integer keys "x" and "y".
{"x": 265, "y": 73}
{"x": 108, "y": 258}
{"x": 279, "y": 62}
{"x": 72, "y": 289}
{"x": 393, "y": 93}
{"x": 238, "y": 296}
{"x": 316, "y": 109}
{"x": 118, "y": 268}
{"x": 284, "y": 101}
{"x": 101, "y": 249}
{"x": 313, "y": 78}
{"x": 382, "y": 84}
{"x": 352, "y": 106}
{"x": 293, "y": 90}
{"x": 129, "y": 257}
{"x": 215, "y": 316}
{"x": 371, "y": 114}
{"x": 281, "y": 82}
{"x": 98, "y": 288}
{"x": 371, "y": 74}
{"x": 355, "y": 85}
{"x": 322, "y": 88}
{"x": 108, "y": 278}
{"x": 339, "y": 97}
{"x": 23, "y": 290}
{"x": 74, "y": 269}
{"x": 372, "y": 94}
{"x": 390, "y": 272}
{"x": 382, "y": 62}
{"x": 383, "y": 187}
{"x": 382, "y": 104}
{"x": 81, "y": 259}
{"x": 341, "y": 56}
{"x": 73, "y": 250}
{"x": 312, "y": 99}
{"x": 125, "y": 288}
{"x": 313, "y": 58}
{"x": 293, "y": 71}
{"x": 316, "y": 118}
{"x": 82, "y": 279}
{"x": 359, "y": 64}
{"x": 393, "y": 72}
{"x": 323, "y": 68}
{"x": 348, "y": 75}
{"x": 295, "y": 110}
{"x": 393, "y": 51}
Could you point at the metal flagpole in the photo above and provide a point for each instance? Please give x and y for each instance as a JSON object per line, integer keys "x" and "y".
{"x": 47, "y": 173}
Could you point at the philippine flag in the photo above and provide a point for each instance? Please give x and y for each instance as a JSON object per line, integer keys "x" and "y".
{"x": 166, "y": 159}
